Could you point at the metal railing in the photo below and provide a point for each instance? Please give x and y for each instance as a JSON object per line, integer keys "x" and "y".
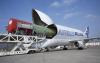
{"x": 22, "y": 43}
{"x": 18, "y": 38}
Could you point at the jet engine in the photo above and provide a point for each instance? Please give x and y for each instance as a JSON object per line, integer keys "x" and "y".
{"x": 79, "y": 44}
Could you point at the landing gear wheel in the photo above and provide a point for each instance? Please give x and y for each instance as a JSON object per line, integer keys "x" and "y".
{"x": 31, "y": 52}
{"x": 65, "y": 48}
{"x": 47, "y": 49}
{"x": 80, "y": 48}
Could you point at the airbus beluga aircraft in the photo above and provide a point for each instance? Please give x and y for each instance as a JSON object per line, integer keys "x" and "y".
{"x": 56, "y": 35}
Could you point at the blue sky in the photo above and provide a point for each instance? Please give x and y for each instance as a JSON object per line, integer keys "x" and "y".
{"x": 72, "y": 13}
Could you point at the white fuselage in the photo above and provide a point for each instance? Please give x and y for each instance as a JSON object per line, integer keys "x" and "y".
{"x": 64, "y": 36}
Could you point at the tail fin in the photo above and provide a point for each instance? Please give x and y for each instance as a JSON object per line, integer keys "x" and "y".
{"x": 87, "y": 32}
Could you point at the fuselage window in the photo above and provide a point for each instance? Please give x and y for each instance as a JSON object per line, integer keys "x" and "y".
{"x": 78, "y": 34}
{"x": 70, "y": 33}
{"x": 62, "y": 32}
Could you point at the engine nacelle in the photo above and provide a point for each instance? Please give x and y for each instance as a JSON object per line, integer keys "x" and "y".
{"x": 80, "y": 45}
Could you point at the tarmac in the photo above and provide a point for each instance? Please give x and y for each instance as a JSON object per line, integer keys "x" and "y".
{"x": 89, "y": 55}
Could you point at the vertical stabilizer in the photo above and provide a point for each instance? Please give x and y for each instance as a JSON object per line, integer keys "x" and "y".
{"x": 87, "y": 32}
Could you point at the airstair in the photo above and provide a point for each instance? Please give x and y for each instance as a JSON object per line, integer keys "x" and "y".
{"x": 11, "y": 44}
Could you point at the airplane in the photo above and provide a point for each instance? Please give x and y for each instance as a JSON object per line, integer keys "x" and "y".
{"x": 56, "y": 35}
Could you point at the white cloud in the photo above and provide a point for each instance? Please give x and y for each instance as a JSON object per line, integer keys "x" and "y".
{"x": 55, "y": 4}
{"x": 69, "y": 2}
{"x": 90, "y": 16}
{"x": 69, "y": 15}
{"x": 62, "y": 3}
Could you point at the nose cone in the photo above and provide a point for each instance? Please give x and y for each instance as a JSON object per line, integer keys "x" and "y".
{"x": 41, "y": 18}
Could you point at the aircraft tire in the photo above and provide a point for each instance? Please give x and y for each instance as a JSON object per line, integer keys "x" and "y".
{"x": 31, "y": 52}
{"x": 80, "y": 48}
{"x": 65, "y": 48}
